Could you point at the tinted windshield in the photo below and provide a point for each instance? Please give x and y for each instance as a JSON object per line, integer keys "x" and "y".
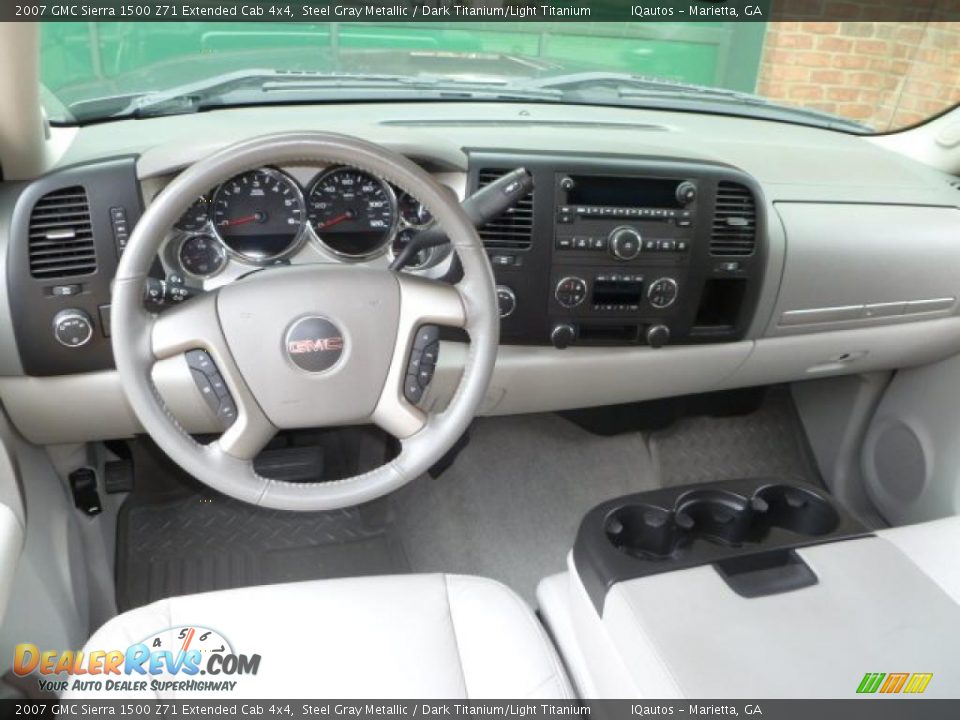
{"x": 878, "y": 76}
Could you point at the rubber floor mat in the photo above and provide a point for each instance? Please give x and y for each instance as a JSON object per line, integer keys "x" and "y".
{"x": 196, "y": 543}
{"x": 768, "y": 442}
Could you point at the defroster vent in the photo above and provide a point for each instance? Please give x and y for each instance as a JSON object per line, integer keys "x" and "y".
{"x": 61, "y": 235}
{"x": 734, "y": 231}
{"x": 514, "y": 229}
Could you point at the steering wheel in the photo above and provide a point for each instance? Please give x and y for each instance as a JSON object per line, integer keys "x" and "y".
{"x": 306, "y": 345}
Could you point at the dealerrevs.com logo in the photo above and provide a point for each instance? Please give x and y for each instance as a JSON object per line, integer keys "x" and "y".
{"x": 178, "y": 659}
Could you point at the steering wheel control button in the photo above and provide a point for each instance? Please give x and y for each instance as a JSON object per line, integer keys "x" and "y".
{"x": 72, "y": 328}
{"x": 571, "y": 291}
{"x": 212, "y": 387}
{"x": 426, "y": 335}
{"x": 314, "y": 344}
{"x": 662, "y": 293}
{"x": 200, "y": 360}
{"x": 422, "y": 362}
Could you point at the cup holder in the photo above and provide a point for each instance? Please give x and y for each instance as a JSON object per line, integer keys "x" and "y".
{"x": 719, "y": 516}
{"x": 746, "y": 528}
{"x": 799, "y": 510}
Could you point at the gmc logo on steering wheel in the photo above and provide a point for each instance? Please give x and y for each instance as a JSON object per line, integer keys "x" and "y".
{"x": 299, "y": 347}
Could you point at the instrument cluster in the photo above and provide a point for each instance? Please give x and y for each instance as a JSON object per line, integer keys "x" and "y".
{"x": 262, "y": 216}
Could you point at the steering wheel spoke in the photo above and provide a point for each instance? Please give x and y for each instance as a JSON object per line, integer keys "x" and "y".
{"x": 192, "y": 327}
{"x": 423, "y": 304}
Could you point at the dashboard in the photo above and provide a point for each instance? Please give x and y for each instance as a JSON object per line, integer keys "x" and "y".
{"x": 659, "y": 253}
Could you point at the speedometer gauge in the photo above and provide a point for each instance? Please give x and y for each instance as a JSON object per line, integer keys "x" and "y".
{"x": 259, "y": 215}
{"x": 353, "y": 213}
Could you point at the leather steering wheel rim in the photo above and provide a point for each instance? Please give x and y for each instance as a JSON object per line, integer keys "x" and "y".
{"x": 140, "y": 338}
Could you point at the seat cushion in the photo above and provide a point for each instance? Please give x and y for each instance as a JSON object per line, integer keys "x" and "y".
{"x": 404, "y": 636}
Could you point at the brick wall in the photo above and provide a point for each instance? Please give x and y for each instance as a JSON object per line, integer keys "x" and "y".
{"x": 884, "y": 74}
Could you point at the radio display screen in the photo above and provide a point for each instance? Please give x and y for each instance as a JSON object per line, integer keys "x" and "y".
{"x": 617, "y": 292}
{"x": 623, "y": 192}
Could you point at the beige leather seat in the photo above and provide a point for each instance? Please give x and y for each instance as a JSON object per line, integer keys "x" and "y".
{"x": 404, "y": 636}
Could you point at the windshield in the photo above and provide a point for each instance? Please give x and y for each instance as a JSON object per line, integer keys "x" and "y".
{"x": 853, "y": 76}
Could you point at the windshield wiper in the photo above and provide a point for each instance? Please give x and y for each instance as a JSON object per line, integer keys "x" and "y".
{"x": 668, "y": 94}
{"x": 247, "y": 86}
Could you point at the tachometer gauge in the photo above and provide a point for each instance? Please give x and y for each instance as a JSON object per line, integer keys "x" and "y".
{"x": 353, "y": 213}
{"x": 259, "y": 215}
{"x": 412, "y": 211}
{"x": 196, "y": 217}
{"x": 201, "y": 255}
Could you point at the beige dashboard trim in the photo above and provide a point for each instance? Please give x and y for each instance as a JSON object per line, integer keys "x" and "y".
{"x": 526, "y": 379}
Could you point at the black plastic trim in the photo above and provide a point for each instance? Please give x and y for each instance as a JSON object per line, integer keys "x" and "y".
{"x": 109, "y": 184}
{"x": 677, "y": 528}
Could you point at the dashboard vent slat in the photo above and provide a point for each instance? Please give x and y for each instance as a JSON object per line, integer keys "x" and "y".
{"x": 734, "y": 230}
{"x": 61, "y": 235}
{"x": 514, "y": 229}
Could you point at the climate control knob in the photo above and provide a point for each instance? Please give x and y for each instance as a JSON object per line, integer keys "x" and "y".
{"x": 657, "y": 336}
{"x": 563, "y": 335}
{"x": 570, "y": 291}
{"x": 72, "y": 328}
{"x": 625, "y": 242}
{"x": 662, "y": 292}
{"x": 506, "y": 301}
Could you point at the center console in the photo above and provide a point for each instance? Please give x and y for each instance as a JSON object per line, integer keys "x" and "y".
{"x": 625, "y": 252}
{"x": 750, "y": 588}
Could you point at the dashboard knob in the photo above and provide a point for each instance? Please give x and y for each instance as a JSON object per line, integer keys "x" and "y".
{"x": 662, "y": 293}
{"x": 563, "y": 335}
{"x": 625, "y": 242}
{"x": 72, "y": 328}
{"x": 686, "y": 192}
{"x": 567, "y": 183}
{"x": 658, "y": 336}
{"x": 506, "y": 301}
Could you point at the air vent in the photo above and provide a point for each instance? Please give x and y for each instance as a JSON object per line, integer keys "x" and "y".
{"x": 514, "y": 229}
{"x": 61, "y": 237}
{"x": 734, "y": 231}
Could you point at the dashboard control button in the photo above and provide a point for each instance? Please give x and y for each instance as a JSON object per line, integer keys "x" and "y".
{"x": 72, "y": 328}
{"x": 570, "y": 291}
{"x": 662, "y": 293}
{"x": 563, "y": 335}
{"x": 625, "y": 242}
{"x": 506, "y": 301}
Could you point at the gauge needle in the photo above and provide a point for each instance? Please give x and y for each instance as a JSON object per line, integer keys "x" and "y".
{"x": 338, "y": 219}
{"x": 241, "y": 220}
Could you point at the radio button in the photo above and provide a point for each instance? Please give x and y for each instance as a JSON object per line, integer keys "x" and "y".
{"x": 564, "y": 243}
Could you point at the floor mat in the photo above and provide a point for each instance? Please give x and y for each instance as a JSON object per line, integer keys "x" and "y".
{"x": 510, "y": 505}
{"x": 767, "y": 442}
{"x": 195, "y": 544}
